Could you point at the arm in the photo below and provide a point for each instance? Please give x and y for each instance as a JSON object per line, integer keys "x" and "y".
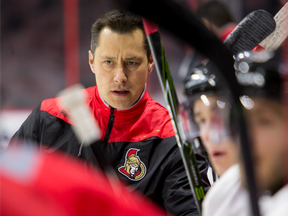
{"x": 47, "y": 129}
{"x": 29, "y": 130}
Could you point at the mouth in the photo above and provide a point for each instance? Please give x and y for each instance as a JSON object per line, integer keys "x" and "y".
{"x": 120, "y": 92}
{"x": 217, "y": 155}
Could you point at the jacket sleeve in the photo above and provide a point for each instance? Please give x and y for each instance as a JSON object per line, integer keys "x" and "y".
{"x": 177, "y": 195}
{"x": 29, "y": 130}
{"x": 48, "y": 132}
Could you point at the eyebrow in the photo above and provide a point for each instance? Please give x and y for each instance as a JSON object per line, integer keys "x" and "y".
{"x": 258, "y": 111}
{"x": 133, "y": 58}
{"x": 108, "y": 57}
{"x": 126, "y": 59}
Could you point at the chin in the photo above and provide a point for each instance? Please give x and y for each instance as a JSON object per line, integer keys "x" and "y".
{"x": 122, "y": 106}
{"x": 271, "y": 180}
{"x": 220, "y": 171}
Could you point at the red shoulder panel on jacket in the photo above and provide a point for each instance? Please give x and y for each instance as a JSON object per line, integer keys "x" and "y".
{"x": 53, "y": 107}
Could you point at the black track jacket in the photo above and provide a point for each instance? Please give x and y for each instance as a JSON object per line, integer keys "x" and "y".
{"x": 138, "y": 143}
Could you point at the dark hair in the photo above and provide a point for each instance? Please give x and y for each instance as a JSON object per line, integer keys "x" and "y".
{"x": 215, "y": 12}
{"x": 120, "y": 22}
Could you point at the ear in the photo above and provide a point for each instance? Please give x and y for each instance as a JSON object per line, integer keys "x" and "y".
{"x": 151, "y": 64}
{"x": 91, "y": 61}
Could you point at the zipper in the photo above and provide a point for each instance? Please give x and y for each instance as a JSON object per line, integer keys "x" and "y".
{"x": 80, "y": 149}
{"x": 110, "y": 126}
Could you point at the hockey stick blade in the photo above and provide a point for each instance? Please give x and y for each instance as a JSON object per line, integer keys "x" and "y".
{"x": 254, "y": 28}
{"x": 276, "y": 38}
{"x": 85, "y": 127}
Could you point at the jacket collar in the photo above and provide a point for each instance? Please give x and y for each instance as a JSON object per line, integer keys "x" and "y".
{"x": 135, "y": 109}
{"x": 108, "y": 106}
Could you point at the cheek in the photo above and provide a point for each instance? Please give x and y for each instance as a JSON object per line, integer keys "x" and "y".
{"x": 206, "y": 144}
{"x": 102, "y": 78}
{"x": 267, "y": 141}
{"x": 269, "y": 135}
{"x": 143, "y": 72}
{"x": 233, "y": 153}
{"x": 138, "y": 79}
{"x": 261, "y": 143}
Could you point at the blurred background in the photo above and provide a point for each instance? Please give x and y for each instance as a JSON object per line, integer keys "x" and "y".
{"x": 45, "y": 43}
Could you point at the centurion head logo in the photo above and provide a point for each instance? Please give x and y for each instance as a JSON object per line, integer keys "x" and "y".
{"x": 134, "y": 169}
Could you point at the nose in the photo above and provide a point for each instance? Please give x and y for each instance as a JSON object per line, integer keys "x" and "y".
{"x": 215, "y": 132}
{"x": 204, "y": 132}
{"x": 120, "y": 76}
{"x": 210, "y": 133}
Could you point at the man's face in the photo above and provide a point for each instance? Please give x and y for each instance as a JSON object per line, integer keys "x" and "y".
{"x": 121, "y": 67}
{"x": 266, "y": 127}
{"x": 222, "y": 151}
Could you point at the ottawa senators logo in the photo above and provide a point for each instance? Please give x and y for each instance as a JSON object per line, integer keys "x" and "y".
{"x": 134, "y": 169}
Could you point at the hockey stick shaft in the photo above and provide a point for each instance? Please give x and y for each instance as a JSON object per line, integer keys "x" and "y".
{"x": 170, "y": 96}
{"x": 274, "y": 40}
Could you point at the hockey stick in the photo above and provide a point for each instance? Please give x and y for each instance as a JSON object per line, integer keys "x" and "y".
{"x": 255, "y": 27}
{"x": 274, "y": 40}
{"x": 170, "y": 96}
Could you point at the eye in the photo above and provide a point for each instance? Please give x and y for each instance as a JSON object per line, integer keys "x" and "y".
{"x": 131, "y": 63}
{"x": 261, "y": 121}
{"x": 108, "y": 62}
{"x": 200, "y": 121}
{"x": 265, "y": 122}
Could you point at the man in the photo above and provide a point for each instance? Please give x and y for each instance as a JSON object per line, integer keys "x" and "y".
{"x": 259, "y": 75}
{"x": 137, "y": 137}
{"x": 209, "y": 116}
{"x": 208, "y": 109}
{"x": 266, "y": 113}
